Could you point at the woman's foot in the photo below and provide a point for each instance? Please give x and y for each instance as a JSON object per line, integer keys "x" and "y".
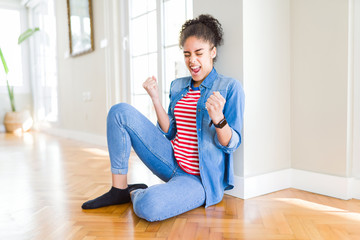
{"x": 114, "y": 197}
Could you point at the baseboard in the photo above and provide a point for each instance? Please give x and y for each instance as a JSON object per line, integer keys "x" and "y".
{"x": 76, "y": 135}
{"x": 262, "y": 184}
{"x": 324, "y": 184}
{"x": 267, "y": 183}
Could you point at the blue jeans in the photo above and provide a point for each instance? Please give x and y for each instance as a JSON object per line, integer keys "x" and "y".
{"x": 126, "y": 128}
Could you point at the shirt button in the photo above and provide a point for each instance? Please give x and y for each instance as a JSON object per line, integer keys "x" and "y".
{"x": 199, "y": 110}
{"x": 199, "y": 129}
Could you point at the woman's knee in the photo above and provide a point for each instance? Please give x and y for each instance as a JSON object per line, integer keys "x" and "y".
{"x": 118, "y": 110}
{"x": 147, "y": 206}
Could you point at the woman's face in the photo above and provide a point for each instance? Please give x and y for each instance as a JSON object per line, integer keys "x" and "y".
{"x": 199, "y": 58}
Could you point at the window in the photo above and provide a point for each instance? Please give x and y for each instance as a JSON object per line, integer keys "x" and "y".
{"x": 154, "y": 51}
{"x": 11, "y": 50}
{"x": 44, "y": 68}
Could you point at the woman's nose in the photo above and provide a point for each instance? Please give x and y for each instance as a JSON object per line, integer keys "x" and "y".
{"x": 192, "y": 59}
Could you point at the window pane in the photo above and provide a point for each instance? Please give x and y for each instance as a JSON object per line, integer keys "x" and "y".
{"x": 140, "y": 71}
{"x": 139, "y": 37}
{"x": 145, "y": 34}
{"x": 9, "y": 46}
{"x": 174, "y": 66}
{"x": 141, "y": 7}
{"x": 153, "y": 66}
{"x": 138, "y": 7}
{"x": 144, "y": 104}
{"x": 142, "y": 68}
{"x": 174, "y": 17}
{"x": 151, "y": 5}
{"x": 44, "y": 49}
{"x": 152, "y": 31}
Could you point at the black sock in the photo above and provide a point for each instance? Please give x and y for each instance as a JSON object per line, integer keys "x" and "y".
{"x": 114, "y": 197}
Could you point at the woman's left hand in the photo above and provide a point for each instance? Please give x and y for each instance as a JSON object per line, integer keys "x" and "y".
{"x": 215, "y": 105}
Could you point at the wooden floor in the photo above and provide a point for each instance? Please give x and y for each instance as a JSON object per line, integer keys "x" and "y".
{"x": 45, "y": 179}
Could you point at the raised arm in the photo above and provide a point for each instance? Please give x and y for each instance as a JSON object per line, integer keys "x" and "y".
{"x": 215, "y": 105}
{"x": 151, "y": 87}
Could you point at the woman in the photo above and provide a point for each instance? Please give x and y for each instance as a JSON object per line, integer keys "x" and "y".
{"x": 191, "y": 147}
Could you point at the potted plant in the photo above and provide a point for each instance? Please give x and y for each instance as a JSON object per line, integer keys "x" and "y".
{"x": 16, "y": 121}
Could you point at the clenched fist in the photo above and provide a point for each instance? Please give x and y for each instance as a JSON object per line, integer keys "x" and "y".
{"x": 215, "y": 105}
{"x": 151, "y": 87}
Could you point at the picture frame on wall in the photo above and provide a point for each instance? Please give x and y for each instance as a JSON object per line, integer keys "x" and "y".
{"x": 81, "y": 33}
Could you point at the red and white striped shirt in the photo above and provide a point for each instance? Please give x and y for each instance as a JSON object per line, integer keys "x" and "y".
{"x": 185, "y": 143}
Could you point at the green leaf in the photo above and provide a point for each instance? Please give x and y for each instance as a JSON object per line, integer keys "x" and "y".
{"x": 11, "y": 96}
{"x": 28, "y": 33}
{"x": 4, "y": 62}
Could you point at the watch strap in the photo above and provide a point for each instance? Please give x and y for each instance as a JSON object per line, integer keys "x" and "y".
{"x": 221, "y": 124}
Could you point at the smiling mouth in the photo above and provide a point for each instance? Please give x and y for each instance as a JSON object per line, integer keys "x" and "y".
{"x": 195, "y": 69}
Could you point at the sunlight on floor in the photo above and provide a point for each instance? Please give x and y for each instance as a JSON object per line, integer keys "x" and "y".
{"x": 354, "y": 216}
{"x": 96, "y": 151}
{"x": 310, "y": 205}
{"x": 28, "y": 138}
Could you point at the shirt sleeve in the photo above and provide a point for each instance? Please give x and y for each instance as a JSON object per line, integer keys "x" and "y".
{"x": 172, "y": 129}
{"x": 234, "y": 114}
{"x": 235, "y": 140}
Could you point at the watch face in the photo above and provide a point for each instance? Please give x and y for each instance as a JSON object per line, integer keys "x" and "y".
{"x": 221, "y": 124}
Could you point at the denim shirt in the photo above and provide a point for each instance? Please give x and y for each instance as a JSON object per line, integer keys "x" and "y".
{"x": 215, "y": 160}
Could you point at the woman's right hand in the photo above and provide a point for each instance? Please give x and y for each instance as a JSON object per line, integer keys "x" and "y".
{"x": 151, "y": 87}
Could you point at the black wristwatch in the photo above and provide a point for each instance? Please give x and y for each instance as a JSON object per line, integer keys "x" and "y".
{"x": 221, "y": 124}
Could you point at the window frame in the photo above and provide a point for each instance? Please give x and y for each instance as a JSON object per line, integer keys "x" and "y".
{"x": 161, "y": 67}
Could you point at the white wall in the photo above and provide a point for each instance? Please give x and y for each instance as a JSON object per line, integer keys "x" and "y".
{"x": 267, "y": 86}
{"x": 319, "y": 85}
{"x": 81, "y": 74}
{"x": 356, "y": 90}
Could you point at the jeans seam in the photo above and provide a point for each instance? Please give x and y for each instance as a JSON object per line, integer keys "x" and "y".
{"x": 124, "y": 142}
{"x": 120, "y": 125}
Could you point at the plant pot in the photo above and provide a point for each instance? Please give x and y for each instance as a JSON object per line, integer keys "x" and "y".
{"x": 18, "y": 121}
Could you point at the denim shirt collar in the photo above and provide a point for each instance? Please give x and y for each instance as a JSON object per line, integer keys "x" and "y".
{"x": 208, "y": 81}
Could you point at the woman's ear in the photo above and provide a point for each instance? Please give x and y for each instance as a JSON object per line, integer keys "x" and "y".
{"x": 213, "y": 52}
